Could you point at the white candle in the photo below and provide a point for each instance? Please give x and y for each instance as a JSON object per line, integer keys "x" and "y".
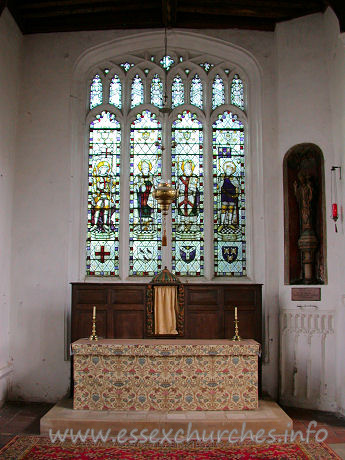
{"x": 235, "y": 312}
{"x": 94, "y": 312}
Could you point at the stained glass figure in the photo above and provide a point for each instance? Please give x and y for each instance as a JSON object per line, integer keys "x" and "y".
{"x": 115, "y": 92}
{"x": 177, "y": 92}
{"x": 144, "y": 218}
{"x": 166, "y": 62}
{"x": 187, "y": 213}
{"x": 96, "y": 92}
{"x": 237, "y": 92}
{"x": 206, "y": 66}
{"x": 218, "y": 92}
{"x": 196, "y": 96}
{"x": 157, "y": 91}
{"x": 102, "y": 251}
{"x": 126, "y": 66}
{"x": 137, "y": 92}
{"x": 229, "y": 196}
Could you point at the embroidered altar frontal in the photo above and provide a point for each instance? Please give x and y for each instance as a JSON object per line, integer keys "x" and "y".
{"x": 139, "y": 374}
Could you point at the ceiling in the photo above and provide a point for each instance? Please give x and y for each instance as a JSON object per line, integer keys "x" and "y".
{"x": 40, "y": 16}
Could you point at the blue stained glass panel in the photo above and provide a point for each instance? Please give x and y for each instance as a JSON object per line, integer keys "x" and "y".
{"x": 218, "y": 92}
{"x": 102, "y": 247}
{"x": 177, "y": 92}
{"x": 196, "y": 93}
{"x": 229, "y": 196}
{"x": 188, "y": 211}
{"x": 137, "y": 91}
{"x": 96, "y": 92}
{"x": 237, "y": 92}
{"x": 115, "y": 92}
{"x": 156, "y": 91}
{"x": 144, "y": 217}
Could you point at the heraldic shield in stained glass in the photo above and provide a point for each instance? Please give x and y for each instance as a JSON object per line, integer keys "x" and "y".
{"x": 144, "y": 218}
{"x": 229, "y": 196}
{"x": 102, "y": 258}
{"x": 187, "y": 212}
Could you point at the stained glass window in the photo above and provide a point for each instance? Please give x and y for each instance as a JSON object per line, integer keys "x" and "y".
{"x": 126, "y": 66}
{"x": 207, "y": 66}
{"x": 183, "y": 164}
{"x": 166, "y": 62}
{"x": 218, "y": 93}
{"x": 156, "y": 91}
{"x": 115, "y": 92}
{"x": 196, "y": 96}
{"x": 229, "y": 196}
{"x": 237, "y": 92}
{"x": 102, "y": 251}
{"x": 144, "y": 219}
{"x": 137, "y": 91}
{"x": 177, "y": 92}
{"x": 96, "y": 92}
{"x": 187, "y": 213}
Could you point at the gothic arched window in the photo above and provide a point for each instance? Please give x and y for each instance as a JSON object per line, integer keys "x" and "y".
{"x": 96, "y": 92}
{"x": 137, "y": 91}
{"x": 115, "y": 92}
{"x": 148, "y": 141}
{"x": 102, "y": 255}
{"x": 188, "y": 211}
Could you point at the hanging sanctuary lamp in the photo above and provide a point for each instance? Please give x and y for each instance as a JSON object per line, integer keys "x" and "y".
{"x": 164, "y": 193}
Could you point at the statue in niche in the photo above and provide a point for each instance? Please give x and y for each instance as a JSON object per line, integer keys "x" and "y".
{"x": 304, "y": 195}
{"x": 307, "y": 242}
{"x": 304, "y": 222}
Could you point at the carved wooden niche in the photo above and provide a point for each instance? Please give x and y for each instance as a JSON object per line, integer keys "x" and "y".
{"x": 161, "y": 280}
{"x": 304, "y": 216}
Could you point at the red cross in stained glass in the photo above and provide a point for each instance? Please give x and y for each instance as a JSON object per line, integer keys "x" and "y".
{"x": 102, "y": 253}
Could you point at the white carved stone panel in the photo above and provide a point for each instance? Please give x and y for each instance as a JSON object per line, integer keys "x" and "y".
{"x": 307, "y": 370}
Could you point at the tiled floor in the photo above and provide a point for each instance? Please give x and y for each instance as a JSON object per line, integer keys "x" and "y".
{"x": 18, "y": 417}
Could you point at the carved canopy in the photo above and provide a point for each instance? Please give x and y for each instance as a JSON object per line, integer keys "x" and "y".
{"x": 164, "y": 278}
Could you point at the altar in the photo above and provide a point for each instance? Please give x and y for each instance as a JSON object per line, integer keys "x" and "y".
{"x": 165, "y": 374}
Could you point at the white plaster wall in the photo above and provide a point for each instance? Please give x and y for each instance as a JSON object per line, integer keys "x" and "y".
{"x": 335, "y": 43}
{"x": 308, "y": 101}
{"x": 10, "y": 59}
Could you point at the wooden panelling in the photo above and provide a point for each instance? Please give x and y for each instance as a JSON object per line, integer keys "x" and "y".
{"x": 124, "y": 295}
{"x": 209, "y": 310}
{"x": 82, "y": 327}
{"x": 197, "y": 295}
{"x": 93, "y": 296}
{"x": 203, "y": 325}
{"x": 129, "y": 324}
{"x": 239, "y": 296}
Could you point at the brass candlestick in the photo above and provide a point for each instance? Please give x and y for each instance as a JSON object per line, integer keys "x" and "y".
{"x": 93, "y": 335}
{"x": 236, "y": 337}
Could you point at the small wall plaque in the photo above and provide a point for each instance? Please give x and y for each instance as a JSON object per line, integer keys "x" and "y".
{"x": 310, "y": 293}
